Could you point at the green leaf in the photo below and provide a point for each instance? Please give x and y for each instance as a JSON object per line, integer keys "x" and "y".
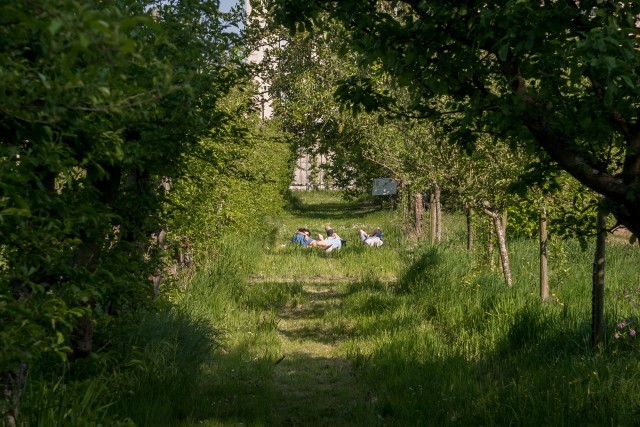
{"x": 503, "y": 52}
{"x": 26, "y": 212}
{"x": 628, "y": 82}
{"x": 55, "y": 26}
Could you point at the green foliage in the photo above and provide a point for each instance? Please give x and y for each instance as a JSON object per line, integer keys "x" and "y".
{"x": 69, "y": 403}
{"x": 302, "y": 87}
{"x": 313, "y": 94}
{"x": 234, "y": 179}
{"x": 101, "y": 101}
{"x": 557, "y": 78}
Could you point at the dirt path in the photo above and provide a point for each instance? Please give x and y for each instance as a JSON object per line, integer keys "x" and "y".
{"x": 317, "y": 385}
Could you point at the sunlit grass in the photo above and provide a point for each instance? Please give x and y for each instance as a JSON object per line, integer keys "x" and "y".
{"x": 285, "y": 261}
{"x": 269, "y": 334}
{"x": 431, "y": 333}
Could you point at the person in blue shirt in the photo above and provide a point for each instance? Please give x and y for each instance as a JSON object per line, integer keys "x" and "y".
{"x": 330, "y": 243}
{"x": 303, "y": 238}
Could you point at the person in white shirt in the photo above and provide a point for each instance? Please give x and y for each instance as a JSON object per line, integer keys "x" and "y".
{"x": 374, "y": 239}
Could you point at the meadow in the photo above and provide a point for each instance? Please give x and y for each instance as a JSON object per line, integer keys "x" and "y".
{"x": 414, "y": 334}
{"x": 409, "y": 334}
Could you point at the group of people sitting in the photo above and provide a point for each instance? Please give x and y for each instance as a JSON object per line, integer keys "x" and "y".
{"x": 333, "y": 241}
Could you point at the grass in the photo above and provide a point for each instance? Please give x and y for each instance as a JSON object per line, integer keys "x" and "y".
{"x": 270, "y": 334}
{"x": 283, "y": 261}
{"x": 420, "y": 335}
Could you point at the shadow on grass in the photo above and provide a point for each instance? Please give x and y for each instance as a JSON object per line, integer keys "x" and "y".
{"x": 330, "y": 316}
{"x": 335, "y": 210}
{"x": 307, "y": 320}
{"x": 422, "y": 272}
{"x": 536, "y": 374}
{"x": 297, "y": 390}
{"x": 162, "y": 355}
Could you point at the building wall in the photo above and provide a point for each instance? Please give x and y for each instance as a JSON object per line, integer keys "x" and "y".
{"x": 304, "y": 173}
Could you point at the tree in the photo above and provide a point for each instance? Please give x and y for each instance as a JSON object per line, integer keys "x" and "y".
{"x": 561, "y": 76}
{"x": 234, "y": 179}
{"x": 99, "y": 102}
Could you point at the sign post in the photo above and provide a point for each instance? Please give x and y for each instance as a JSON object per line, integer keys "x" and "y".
{"x": 384, "y": 187}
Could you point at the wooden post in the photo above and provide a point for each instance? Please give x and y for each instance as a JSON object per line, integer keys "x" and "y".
{"x": 468, "y": 212}
{"x": 490, "y": 243}
{"x": 502, "y": 246}
{"x": 418, "y": 209}
{"x": 504, "y": 222}
{"x": 544, "y": 269}
{"x": 436, "y": 200}
{"x": 432, "y": 218}
{"x": 597, "y": 294}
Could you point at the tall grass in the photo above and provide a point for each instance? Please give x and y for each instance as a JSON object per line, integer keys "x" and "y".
{"x": 52, "y": 402}
{"x": 439, "y": 339}
{"x": 434, "y": 336}
{"x": 451, "y": 344}
{"x": 230, "y": 380}
{"x": 448, "y": 343}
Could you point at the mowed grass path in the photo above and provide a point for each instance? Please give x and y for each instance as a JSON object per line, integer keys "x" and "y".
{"x": 316, "y": 384}
{"x": 286, "y": 353}
{"x": 314, "y": 379}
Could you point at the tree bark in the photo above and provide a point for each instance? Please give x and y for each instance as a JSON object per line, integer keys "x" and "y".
{"x": 418, "y": 210}
{"x": 436, "y": 199}
{"x": 502, "y": 246}
{"x": 504, "y": 222}
{"x": 544, "y": 270}
{"x": 432, "y": 218}
{"x": 81, "y": 338}
{"x": 490, "y": 245}
{"x": 13, "y": 385}
{"x": 597, "y": 294}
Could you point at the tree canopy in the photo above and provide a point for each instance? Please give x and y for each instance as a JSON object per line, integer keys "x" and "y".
{"x": 558, "y": 77}
{"x": 101, "y": 103}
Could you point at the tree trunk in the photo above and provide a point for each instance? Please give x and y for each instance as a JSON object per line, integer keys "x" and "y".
{"x": 504, "y": 230}
{"x": 13, "y": 385}
{"x": 405, "y": 201}
{"x": 504, "y": 222}
{"x": 432, "y": 218}
{"x": 502, "y": 246}
{"x": 597, "y": 295}
{"x": 468, "y": 212}
{"x": 88, "y": 254}
{"x": 419, "y": 210}
{"x": 81, "y": 338}
{"x": 436, "y": 199}
{"x": 159, "y": 246}
{"x": 490, "y": 245}
{"x": 544, "y": 270}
